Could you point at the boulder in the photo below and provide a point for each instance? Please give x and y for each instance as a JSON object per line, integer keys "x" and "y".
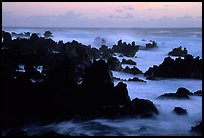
{"x": 182, "y": 93}
{"x": 180, "y": 111}
{"x": 141, "y": 107}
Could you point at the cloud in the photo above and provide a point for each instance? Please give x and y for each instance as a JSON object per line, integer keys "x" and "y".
{"x": 124, "y": 8}
{"x": 126, "y": 16}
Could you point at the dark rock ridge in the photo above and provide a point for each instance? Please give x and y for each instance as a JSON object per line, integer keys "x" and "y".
{"x": 181, "y": 93}
{"x": 129, "y": 61}
{"x": 189, "y": 67}
{"x": 133, "y": 70}
{"x": 178, "y": 52}
{"x": 59, "y": 95}
{"x": 136, "y": 79}
{"x": 128, "y": 50}
{"x": 25, "y": 34}
{"x": 180, "y": 111}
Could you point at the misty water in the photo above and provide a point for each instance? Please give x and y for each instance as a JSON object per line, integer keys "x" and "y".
{"x": 166, "y": 123}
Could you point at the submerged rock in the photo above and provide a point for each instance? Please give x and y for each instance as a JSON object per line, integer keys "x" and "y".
{"x": 181, "y": 93}
{"x": 180, "y": 111}
{"x": 136, "y": 79}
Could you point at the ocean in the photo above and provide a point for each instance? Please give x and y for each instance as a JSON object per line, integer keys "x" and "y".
{"x": 166, "y": 123}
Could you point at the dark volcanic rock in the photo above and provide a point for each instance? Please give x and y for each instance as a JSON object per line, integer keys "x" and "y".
{"x": 136, "y": 79}
{"x": 47, "y": 34}
{"x": 129, "y": 61}
{"x": 128, "y": 50}
{"x": 133, "y": 70}
{"x": 141, "y": 107}
{"x": 106, "y": 52}
{"x": 152, "y": 45}
{"x": 180, "y": 111}
{"x": 114, "y": 64}
{"x": 197, "y": 128}
{"x": 182, "y": 93}
{"x": 198, "y": 93}
{"x": 188, "y": 67}
{"x": 178, "y": 52}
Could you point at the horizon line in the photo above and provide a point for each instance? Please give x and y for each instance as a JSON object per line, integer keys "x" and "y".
{"x": 103, "y": 27}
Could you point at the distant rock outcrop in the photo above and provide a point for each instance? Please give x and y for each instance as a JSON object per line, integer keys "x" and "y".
{"x": 188, "y": 67}
{"x": 151, "y": 45}
{"x": 128, "y": 50}
{"x": 48, "y": 34}
{"x": 178, "y": 52}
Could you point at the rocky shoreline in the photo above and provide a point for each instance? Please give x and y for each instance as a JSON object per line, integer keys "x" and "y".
{"x": 77, "y": 80}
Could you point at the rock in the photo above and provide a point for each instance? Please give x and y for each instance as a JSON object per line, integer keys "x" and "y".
{"x": 125, "y": 49}
{"x": 136, "y": 79}
{"x": 129, "y": 61}
{"x": 180, "y": 111}
{"x": 34, "y": 37}
{"x": 182, "y": 93}
{"x": 141, "y": 107}
{"x": 198, "y": 93}
{"x": 106, "y": 52}
{"x": 7, "y": 37}
{"x": 188, "y": 67}
{"x": 178, "y": 52}
{"x": 152, "y": 45}
{"x": 114, "y": 64}
{"x": 197, "y": 128}
{"x": 133, "y": 70}
{"x": 47, "y": 34}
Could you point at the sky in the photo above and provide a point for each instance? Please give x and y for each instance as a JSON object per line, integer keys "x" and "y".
{"x": 102, "y": 14}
